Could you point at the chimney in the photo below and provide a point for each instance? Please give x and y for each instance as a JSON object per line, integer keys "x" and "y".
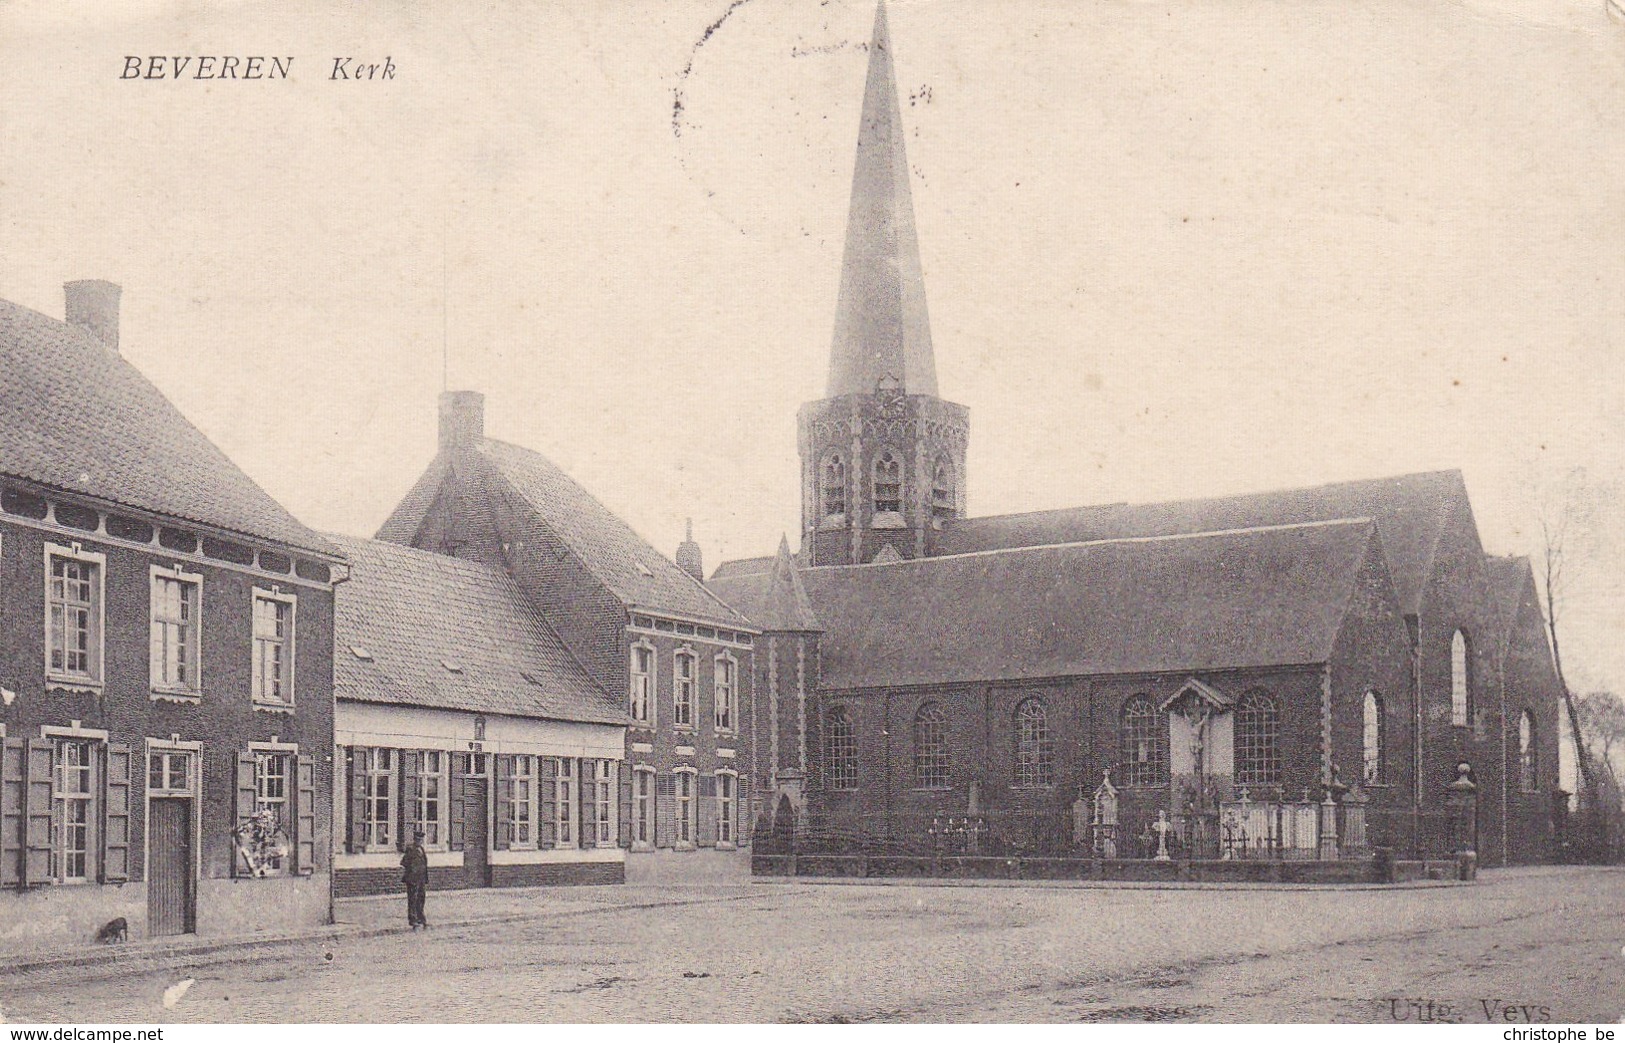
{"x": 92, "y": 305}
{"x": 688, "y": 555}
{"x": 462, "y": 419}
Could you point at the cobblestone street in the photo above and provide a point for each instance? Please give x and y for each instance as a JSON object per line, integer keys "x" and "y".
{"x": 1535, "y": 938}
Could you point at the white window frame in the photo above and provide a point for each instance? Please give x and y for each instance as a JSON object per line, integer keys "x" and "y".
{"x": 289, "y": 644}
{"x": 441, "y": 777}
{"x": 604, "y": 800}
{"x": 381, "y": 768}
{"x": 1373, "y": 728}
{"x": 93, "y": 679}
{"x": 644, "y": 691}
{"x": 727, "y": 809}
{"x": 90, "y": 800}
{"x": 643, "y": 807}
{"x": 686, "y": 807}
{"x": 287, "y": 821}
{"x": 684, "y": 701}
{"x": 564, "y": 794}
{"x": 192, "y": 689}
{"x": 725, "y": 695}
{"x": 522, "y": 807}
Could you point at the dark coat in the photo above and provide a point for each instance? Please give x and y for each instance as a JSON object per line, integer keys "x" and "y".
{"x": 415, "y": 865}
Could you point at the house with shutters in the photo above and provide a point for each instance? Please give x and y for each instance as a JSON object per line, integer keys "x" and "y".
{"x": 678, "y": 660}
{"x": 166, "y": 636}
{"x": 918, "y": 663}
{"x": 461, "y": 714}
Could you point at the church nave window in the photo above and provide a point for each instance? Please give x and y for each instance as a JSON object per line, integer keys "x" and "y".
{"x": 931, "y": 748}
{"x": 840, "y": 751}
{"x": 1144, "y": 744}
{"x": 1372, "y": 743}
{"x": 1035, "y": 751}
{"x": 1528, "y": 754}
{"x": 1258, "y": 740}
{"x": 888, "y": 483}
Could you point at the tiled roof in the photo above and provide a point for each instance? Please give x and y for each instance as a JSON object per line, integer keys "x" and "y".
{"x": 743, "y": 567}
{"x": 420, "y": 629}
{"x": 1255, "y": 597}
{"x": 1409, "y": 511}
{"x": 623, "y": 561}
{"x": 79, "y": 417}
{"x": 775, "y": 600}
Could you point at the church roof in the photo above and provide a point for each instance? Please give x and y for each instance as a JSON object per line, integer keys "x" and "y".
{"x": 1410, "y": 512}
{"x": 776, "y": 600}
{"x": 1510, "y": 579}
{"x": 1208, "y": 601}
{"x": 75, "y": 415}
{"x": 882, "y": 329}
{"x": 413, "y": 628}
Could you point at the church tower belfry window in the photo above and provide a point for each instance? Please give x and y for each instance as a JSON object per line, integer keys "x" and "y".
{"x": 833, "y": 486}
{"x": 888, "y": 483}
{"x": 944, "y": 502}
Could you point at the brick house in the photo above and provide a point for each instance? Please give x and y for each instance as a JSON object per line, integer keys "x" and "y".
{"x": 1008, "y": 662}
{"x": 640, "y": 625}
{"x": 461, "y": 714}
{"x": 166, "y": 634}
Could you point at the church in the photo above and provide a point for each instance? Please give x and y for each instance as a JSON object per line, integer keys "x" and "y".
{"x": 1219, "y": 672}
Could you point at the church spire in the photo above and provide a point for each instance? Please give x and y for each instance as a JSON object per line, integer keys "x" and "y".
{"x": 882, "y": 331}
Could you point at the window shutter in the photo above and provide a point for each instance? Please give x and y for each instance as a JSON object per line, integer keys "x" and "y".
{"x": 116, "y": 824}
{"x": 626, "y": 803}
{"x": 455, "y": 805}
{"x": 705, "y": 795}
{"x": 665, "y": 810}
{"x": 305, "y": 860}
{"x": 411, "y": 789}
{"x": 37, "y": 859}
{"x": 245, "y": 804}
{"x": 12, "y": 800}
{"x": 504, "y": 831}
{"x": 358, "y": 800}
{"x": 547, "y": 829}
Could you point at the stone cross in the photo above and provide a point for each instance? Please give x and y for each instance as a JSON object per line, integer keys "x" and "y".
{"x": 1162, "y": 826}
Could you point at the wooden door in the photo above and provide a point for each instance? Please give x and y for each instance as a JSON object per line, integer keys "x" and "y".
{"x": 476, "y": 833}
{"x": 171, "y": 888}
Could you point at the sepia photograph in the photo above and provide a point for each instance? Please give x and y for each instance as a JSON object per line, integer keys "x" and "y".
{"x": 729, "y": 512}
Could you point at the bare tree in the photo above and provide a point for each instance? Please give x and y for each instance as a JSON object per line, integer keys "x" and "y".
{"x": 1602, "y": 720}
{"x": 1555, "y": 523}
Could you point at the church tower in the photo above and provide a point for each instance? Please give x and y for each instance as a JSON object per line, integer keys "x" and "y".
{"x": 882, "y": 456}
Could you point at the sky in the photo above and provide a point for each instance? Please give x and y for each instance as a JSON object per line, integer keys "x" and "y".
{"x": 1170, "y": 249}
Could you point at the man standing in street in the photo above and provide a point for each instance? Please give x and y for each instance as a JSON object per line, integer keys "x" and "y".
{"x": 415, "y": 872}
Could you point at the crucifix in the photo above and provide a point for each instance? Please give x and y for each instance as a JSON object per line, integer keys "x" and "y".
{"x": 1162, "y": 827}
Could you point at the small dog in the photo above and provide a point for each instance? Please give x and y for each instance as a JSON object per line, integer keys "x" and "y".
{"x": 114, "y": 930}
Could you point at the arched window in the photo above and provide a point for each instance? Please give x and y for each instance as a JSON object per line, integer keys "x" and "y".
{"x": 833, "y": 485}
{"x": 1144, "y": 744}
{"x": 840, "y": 750}
{"x": 1528, "y": 753}
{"x": 1371, "y": 756}
{"x": 1035, "y": 753}
{"x": 1258, "y": 740}
{"x": 888, "y": 483}
{"x": 943, "y": 500}
{"x": 931, "y": 748}
{"x": 1460, "y": 697}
